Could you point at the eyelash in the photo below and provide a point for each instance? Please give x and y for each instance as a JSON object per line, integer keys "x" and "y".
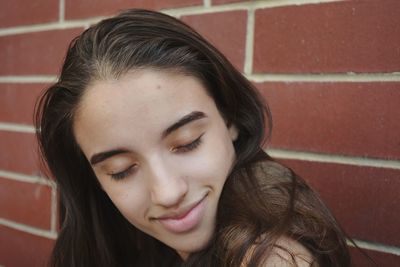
{"x": 184, "y": 148}
{"x": 121, "y": 175}
{"x": 189, "y": 147}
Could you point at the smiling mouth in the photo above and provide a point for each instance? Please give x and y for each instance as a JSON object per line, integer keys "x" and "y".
{"x": 185, "y": 220}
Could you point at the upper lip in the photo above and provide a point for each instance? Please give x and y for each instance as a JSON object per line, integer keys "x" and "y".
{"x": 178, "y": 214}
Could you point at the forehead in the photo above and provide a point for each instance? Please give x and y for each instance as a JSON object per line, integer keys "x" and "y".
{"x": 140, "y": 103}
{"x": 143, "y": 93}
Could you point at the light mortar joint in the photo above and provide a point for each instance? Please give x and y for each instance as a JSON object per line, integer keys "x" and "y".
{"x": 248, "y": 60}
{"x": 336, "y": 159}
{"x": 28, "y": 229}
{"x": 375, "y": 246}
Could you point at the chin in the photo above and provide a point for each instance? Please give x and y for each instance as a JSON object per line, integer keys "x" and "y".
{"x": 193, "y": 243}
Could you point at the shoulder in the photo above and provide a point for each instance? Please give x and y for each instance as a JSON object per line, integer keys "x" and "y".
{"x": 286, "y": 253}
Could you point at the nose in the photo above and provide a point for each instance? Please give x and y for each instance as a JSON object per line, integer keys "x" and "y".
{"x": 167, "y": 187}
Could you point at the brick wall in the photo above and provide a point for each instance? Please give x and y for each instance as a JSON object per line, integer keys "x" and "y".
{"x": 328, "y": 69}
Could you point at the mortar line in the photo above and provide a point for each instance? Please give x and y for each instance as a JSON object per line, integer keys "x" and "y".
{"x": 332, "y": 158}
{"x": 326, "y": 77}
{"x": 177, "y": 12}
{"x": 197, "y": 10}
{"x": 28, "y": 79}
{"x": 61, "y": 11}
{"x": 49, "y": 26}
{"x": 248, "y": 59}
{"x": 28, "y": 229}
{"x": 279, "y": 3}
{"x": 303, "y": 77}
{"x": 21, "y": 177}
{"x": 18, "y": 128}
{"x": 375, "y": 246}
{"x": 53, "y": 212}
{"x": 207, "y": 3}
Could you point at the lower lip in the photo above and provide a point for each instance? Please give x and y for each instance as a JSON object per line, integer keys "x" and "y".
{"x": 187, "y": 223}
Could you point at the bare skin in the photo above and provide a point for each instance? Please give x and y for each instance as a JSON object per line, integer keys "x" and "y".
{"x": 161, "y": 151}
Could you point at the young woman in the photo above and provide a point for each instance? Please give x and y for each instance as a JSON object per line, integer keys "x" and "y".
{"x": 155, "y": 141}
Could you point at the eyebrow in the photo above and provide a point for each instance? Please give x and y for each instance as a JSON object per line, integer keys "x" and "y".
{"x": 195, "y": 115}
{"x": 98, "y": 157}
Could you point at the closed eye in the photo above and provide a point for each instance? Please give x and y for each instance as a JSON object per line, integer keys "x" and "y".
{"x": 189, "y": 147}
{"x": 123, "y": 174}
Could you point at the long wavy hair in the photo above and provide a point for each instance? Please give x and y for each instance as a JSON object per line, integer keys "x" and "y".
{"x": 261, "y": 200}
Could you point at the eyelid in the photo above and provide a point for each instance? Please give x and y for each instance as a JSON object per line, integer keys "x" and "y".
{"x": 124, "y": 173}
{"x": 189, "y": 146}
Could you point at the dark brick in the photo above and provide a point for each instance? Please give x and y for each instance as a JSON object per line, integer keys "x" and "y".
{"x": 26, "y": 203}
{"x": 19, "y": 153}
{"x": 225, "y": 30}
{"x": 21, "y": 249}
{"x": 35, "y": 53}
{"x": 342, "y": 36}
{"x": 360, "y": 119}
{"x": 380, "y": 258}
{"x": 218, "y": 2}
{"x": 75, "y": 9}
{"x": 17, "y": 101}
{"x": 363, "y": 199}
{"x": 21, "y": 12}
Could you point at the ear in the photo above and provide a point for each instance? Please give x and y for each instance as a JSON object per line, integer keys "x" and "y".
{"x": 233, "y": 132}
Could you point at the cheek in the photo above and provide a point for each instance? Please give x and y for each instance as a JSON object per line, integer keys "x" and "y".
{"x": 129, "y": 199}
{"x": 214, "y": 161}
{"x": 221, "y": 149}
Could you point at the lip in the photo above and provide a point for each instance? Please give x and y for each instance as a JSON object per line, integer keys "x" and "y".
{"x": 184, "y": 220}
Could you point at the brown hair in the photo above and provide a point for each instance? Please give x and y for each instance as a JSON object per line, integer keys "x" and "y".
{"x": 261, "y": 201}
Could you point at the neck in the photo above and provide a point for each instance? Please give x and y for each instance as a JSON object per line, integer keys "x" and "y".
{"x": 183, "y": 255}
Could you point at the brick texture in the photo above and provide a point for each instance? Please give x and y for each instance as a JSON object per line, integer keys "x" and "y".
{"x": 17, "y": 102}
{"x": 75, "y": 9}
{"x": 357, "y": 36}
{"x": 363, "y": 199}
{"x": 18, "y": 153}
{"x": 19, "y": 249}
{"x": 217, "y": 28}
{"x": 356, "y": 119}
{"x": 359, "y": 119}
{"x": 380, "y": 258}
{"x": 34, "y": 53}
{"x": 21, "y": 12}
{"x": 225, "y": 1}
{"x": 25, "y": 203}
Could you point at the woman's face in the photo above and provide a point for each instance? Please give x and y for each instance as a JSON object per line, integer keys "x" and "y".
{"x": 160, "y": 150}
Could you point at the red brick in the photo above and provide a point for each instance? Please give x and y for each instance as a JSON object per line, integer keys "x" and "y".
{"x": 18, "y": 153}
{"x": 20, "y": 249}
{"x": 25, "y": 203}
{"x": 218, "y": 2}
{"x": 17, "y": 101}
{"x": 75, "y": 9}
{"x": 363, "y": 199}
{"x": 21, "y": 12}
{"x": 381, "y": 259}
{"x": 225, "y": 30}
{"x": 34, "y": 53}
{"x": 357, "y": 36}
{"x": 360, "y": 119}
